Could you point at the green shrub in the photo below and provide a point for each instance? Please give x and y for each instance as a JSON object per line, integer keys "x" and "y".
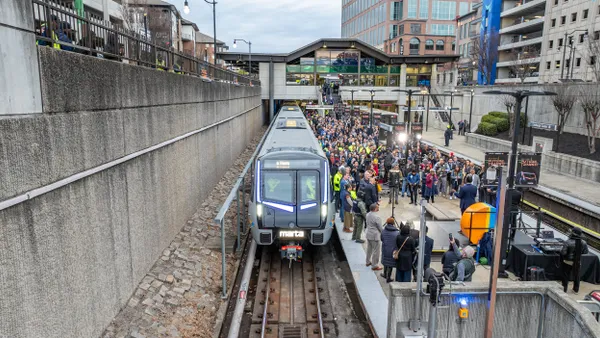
{"x": 500, "y": 114}
{"x": 487, "y": 129}
{"x": 501, "y": 124}
{"x": 488, "y": 118}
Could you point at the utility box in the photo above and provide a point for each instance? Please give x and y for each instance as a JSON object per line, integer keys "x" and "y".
{"x": 542, "y": 144}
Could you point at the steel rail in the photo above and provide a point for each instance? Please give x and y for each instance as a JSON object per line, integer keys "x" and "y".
{"x": 263, "y": 325}
{"x": 318, "y": 301}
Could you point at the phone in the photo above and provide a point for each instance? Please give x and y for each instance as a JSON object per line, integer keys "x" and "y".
{"x": 450, "y": 237}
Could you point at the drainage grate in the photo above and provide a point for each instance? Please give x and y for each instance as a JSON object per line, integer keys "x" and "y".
{"x": 292, "y": 332}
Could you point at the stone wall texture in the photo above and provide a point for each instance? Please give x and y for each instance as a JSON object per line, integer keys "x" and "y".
{"x": 71, "y": 258}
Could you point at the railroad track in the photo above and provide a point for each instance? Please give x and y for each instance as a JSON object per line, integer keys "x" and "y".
{"x": 290, "y": 300}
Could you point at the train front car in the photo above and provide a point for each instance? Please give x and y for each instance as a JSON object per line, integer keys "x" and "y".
{"x": 292, "y": 199}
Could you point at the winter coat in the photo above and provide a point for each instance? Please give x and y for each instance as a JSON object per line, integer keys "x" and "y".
{"x": 407, "y": 254}
{"x": 388, "y": 245}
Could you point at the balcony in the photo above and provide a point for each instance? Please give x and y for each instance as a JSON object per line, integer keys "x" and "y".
{"x": 528, "y": 7}
{"x": 522, "y": 43}
{"x": 524, "y": 26}
{"x": 187, "y": 37}
{"x": 518, "y": 62}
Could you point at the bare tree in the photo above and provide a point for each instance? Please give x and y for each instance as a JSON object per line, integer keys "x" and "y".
{"x": 563, "y": 103}
{"x": 484, "y": 55}
{"x": 131, "y": 11}
{"x": 509, "y": 104}
{"x": 589, "y": 98}
{"x": 521, "y": 68}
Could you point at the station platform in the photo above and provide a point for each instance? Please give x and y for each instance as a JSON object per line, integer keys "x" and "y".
{"x": 372, "y": 288}
{"x": 576, "y": 191}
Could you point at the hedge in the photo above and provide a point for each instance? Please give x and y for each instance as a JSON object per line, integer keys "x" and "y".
{"x": 501, "y": 124}
{"x": 488, "y": 118}
{"x": 487, "y": 129}
{"x": 500, "y": 114}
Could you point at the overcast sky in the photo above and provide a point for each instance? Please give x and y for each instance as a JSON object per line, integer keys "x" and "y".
{"x": 273, "y": 26}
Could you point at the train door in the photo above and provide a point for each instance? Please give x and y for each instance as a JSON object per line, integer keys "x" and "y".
{"x": 308, "y": 193}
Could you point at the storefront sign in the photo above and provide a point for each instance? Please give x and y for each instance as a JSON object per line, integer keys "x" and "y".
{"x": 544, "y": 126}
{"x": 400, "y": 127}
{"x": 416, "y": 128}
{"x": 496, "y": 159}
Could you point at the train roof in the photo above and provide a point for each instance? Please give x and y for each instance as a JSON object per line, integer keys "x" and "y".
{"x": 291, "y": 132}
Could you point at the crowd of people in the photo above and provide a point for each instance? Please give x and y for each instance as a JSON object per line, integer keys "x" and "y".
{"x": 361, "y": 165}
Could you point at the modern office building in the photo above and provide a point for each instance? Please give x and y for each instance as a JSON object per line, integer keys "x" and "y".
{"x": 411, "y": 27}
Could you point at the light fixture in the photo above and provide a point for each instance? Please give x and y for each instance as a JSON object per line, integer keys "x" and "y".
{"x": 402, "y": 137}
{"x": 324, "y": 44}
{"x": 234, "y": 43}
{"x": 186, "y": 8}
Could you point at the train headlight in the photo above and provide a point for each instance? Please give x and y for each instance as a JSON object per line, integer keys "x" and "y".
{"x": 259, "y": 210}
{"x": 324, "y": 211}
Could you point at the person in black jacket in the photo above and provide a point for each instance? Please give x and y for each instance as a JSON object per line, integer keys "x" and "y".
{"x": 407, "y": 247}
{"x": 575, "y": 246}
{"x": 450, "y": 258}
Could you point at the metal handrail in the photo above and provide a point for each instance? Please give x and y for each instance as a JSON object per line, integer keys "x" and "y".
{"x": 56, "y": 24}
{"x": 234, "y": 195}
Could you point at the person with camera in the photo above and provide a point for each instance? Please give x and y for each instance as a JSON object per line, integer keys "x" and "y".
{"x": 359, "y": 209}
{"x": 465, "y": 267}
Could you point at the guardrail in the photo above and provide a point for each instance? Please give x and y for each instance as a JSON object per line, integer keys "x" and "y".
{"x": 59, "y": 26}
{"x": 234, "y": 195}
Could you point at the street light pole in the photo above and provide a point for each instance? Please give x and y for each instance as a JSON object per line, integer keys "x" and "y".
{"x": 214, "y": 4}
{"x": 519, "y": 96}
{"x": 565, "y": 44}
{"x": 249, "y": 43}
{"x": 471, "y": 109}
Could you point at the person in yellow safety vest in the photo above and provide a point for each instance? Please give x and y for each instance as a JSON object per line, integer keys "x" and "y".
{"x": 337, "y": 178}
{"x": 368, "y": 149}
{"x": 160, "y": 63}
{"x": 44, "y": 31}
{"x": 351, "y": 147}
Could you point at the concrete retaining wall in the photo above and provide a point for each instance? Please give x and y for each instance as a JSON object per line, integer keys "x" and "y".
{"x": 561, "y": 163}
{"x": 71, "y": 258}
{"x": 517, "y": 315}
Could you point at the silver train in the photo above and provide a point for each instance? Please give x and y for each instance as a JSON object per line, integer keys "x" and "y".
{"x": 292, "y": 199}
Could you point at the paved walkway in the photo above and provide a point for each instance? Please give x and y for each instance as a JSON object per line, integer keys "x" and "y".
{"x": 581, "y": 189}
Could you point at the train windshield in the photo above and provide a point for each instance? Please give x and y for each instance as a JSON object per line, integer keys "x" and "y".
{"x": 308, "y": 186}
{"x": 279, "y": 186}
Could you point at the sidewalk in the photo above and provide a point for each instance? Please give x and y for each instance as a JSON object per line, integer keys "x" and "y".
{"x": 581, "y": 189}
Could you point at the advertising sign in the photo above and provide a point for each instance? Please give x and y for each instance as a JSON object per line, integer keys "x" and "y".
{"x": 528, "y": 169}
{"x": 497, "y": 159}
{"x": 542, "y": 125}
{"x": 416, "y": 128}
{"x": 356, "y": 111}
{"x": 376, "y": 118}
{"x": 364, "y": 117}
{"x": 400, "y": 127}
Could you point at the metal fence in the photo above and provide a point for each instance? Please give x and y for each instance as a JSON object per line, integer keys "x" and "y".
{"x": 237, "y": 194}
{"x": 61, "y": 27}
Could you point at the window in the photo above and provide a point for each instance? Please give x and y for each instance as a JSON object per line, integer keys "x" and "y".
{"x": 596, "y": 35}
{"x": 415, "y": 28}
{"x": 453, "y": 46}
{"x": 548, "y": 65}
{"x": 412, "y": 9}
{"x": 443, "y": 10}
{"x": 567, "y": 63}
{"x": 439, "y": 45}
{"x": 463, "y": 8}
{"x": 278, "y": 186}
{"x": 553, "y": 22}
{"x": 560, "y": 42}
{"x": 577, "y": 62}
{"x": 563, "y": 20}
{"x": 581, "y": 37}
{"x": 557, "y": 64}
{"x": 573, "y": 17}
{"x": 423, "y": 9}
{"x": 438, "y": 78}
{"x": 401, "y": 30}
{"x": 441, "y": 29}
{"x": 551, "y": 44}
{"x": 396, "y": 11}
{"x": 592, "y": 60}
{"x": 309, "y": 188}
{"x": 555, "y": 2}
{"x": 393, "y": 31}
{"x": 414, "y": 46}
{"x": 586, "y": 12}
{"x": 451, "y": 78}
{"x": 429, "y": 45}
